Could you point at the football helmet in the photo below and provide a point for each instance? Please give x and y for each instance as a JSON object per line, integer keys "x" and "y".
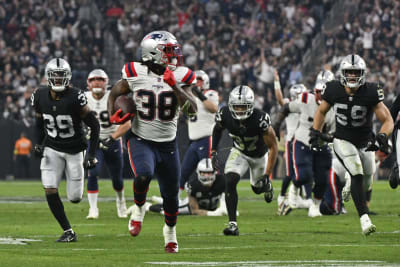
{"x": 97, "y": 86}
{"x": 201, "y": 75}
{"x": 241, "y": 102}
{"x": 58, "y": 74}
{"x": 323, "y": 77}
{"x": 205, "y": 172}
{"x": 352, "y": 71}
{"x": 161, "y": 47}
{"x": 296, "y": 89}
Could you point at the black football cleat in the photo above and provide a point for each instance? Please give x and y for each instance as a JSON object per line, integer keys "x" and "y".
{"x": 269, "y": 192}
{"x": 68, "y": 236}
{"x": 394, "y": 177}
{"x": 232, "y": 229}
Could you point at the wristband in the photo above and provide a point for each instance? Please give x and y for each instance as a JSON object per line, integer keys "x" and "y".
{"x": 277, "y": 85}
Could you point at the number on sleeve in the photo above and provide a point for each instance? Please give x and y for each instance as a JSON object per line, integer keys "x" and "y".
{"x": 82, "y": 98}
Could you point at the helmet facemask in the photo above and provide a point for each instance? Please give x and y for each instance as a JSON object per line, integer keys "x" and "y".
{"x": 241, "y": 102}
{"x": 205, "y": 172}
{"x": 58, "y": 79}
{"x": 172, "y": 55}
{"x": 353, "y": 77}
{"x": 97, "y": 81}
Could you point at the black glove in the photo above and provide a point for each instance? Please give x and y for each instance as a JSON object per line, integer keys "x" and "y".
{"x": 214, "y": 160}
{"x": 315, "y": 140}
{"x": 326, "y": 137}
{"x": 105, "y": 144}
{"x": 381, "y": 143}
{"x": 89, "y": 162}
{"x": 277, "y": 131}
{"x": 198, "y": 93}
{"x": 38, "y": 150}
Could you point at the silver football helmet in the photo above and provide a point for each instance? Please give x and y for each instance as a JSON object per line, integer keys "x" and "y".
{"x": 352, "y": 71}
{"x": 58, "y": 74}
{"x": 201, "y": 75}
{"x": 205, "y": 172}
{"x": 297, "y": 89}
{"x": 161, "y": 47}
{"x": 323, "y": 77}
{"x": 241, "y": 102}
{"x": 97, "y": 73}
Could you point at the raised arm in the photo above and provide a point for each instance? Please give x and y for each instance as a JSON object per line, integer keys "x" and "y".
{"x": 277, "y": 87}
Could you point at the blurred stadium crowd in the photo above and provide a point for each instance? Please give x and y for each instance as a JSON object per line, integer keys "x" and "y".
{"x": 234, "y": 41}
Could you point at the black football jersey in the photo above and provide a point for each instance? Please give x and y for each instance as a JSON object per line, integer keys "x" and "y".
{"x": 353, "y": 113}
{"x": 248, "y": 134}
{"x": 207, "y": 197}
{"x": 62, "y": 121}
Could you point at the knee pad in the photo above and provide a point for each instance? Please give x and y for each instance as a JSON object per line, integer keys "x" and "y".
{"x": 232, "y": 179}
{"x": 141, "y": 183}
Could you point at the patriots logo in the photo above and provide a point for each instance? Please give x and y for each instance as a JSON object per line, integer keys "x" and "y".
{"x": 155, "y": 36}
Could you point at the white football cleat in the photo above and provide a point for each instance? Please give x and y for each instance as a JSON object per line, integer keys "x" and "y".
{"x": 157, "y": 200}
{"x": 171, "y": 243}
{"x": 93, "y": 214}
{"x": 293, "y": 195}
{"x": 366, "y": 225}
{"x": 313, "y": 211}
{"x": 304, "y": 203}
{"x": 121, "y": 208}
{"x": 135, "y": 222}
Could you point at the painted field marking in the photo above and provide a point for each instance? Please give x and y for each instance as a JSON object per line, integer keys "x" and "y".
{"x": 262, "y": 263}
{"x": 16, "y": 241}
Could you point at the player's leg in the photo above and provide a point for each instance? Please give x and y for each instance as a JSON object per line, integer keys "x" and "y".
{"x": 236, "y": 166}
{"x": 349, "y": 156}
{"x": 260, "y": 184}
{"x": 189, "y": 164}
{"x": 394, "y": 177}
{"x": 368, "y": 161}
{"x": 168, "y": 174}
{"x": 142, "y": 160}
{"x": 288, "y": 177}
{"x": 93, "y": 186}
{"x": 52, "y": 168}
{"x": 114, "y": 161}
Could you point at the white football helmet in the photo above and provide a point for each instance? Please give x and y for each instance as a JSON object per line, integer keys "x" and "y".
{"x": 58, "y": 74}
{"x": 241, "y": 102}
{"x": 323, "y": 77}
{"x": 201, "y": 75}
{"x": 352, "y": 71}
{"x": 297, "y": 89}
{"x": 97, "y": 73}
{"x": 161, "y": 47}
{"x": 205, "y": 172}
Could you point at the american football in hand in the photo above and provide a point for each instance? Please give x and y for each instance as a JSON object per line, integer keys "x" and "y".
{"x": 126, "y": 104}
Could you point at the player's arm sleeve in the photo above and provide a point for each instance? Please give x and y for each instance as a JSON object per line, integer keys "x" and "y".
{"x": 217, "y": 131}
{"x": 91, "y": 121}
{"x": 329, "y": 93}
{"x": 39, "y": 129}
{"x": 395, "y": 108}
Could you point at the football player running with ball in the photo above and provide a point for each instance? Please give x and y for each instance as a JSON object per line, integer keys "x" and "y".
{"x": 110, "y": 147}
{"x": 254, "y": 147}
{"x": 160, "y": 90}
{"x": 60, "y": 140}
{"x": 354, "y": 102}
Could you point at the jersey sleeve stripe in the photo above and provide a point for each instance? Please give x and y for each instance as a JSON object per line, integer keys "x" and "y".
{"x": 189, "y": 77}
{"x": 304, "y": 97}
{"x": 130, "y": 70}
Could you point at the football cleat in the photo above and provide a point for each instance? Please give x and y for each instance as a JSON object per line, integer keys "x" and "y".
{"x": 121, "y": 209}
{"x": 293, "y": 195}
{"x": 93, "y": 214}
{"x": 269, "y": 192}
{"x": 303, "y": 203}
{"x": 394, "y": 177}
{"x": 171, "y": 247}
{"x": 313, "y": 211}
{"x": 232, "y": 229}
{"x": 366, "y": 225}
{"x": 134, "y": 227}
{"x": 280, "y": 201}
{"x": 68, "y": 236}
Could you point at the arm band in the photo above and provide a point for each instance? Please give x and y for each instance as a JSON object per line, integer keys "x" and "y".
{"x": 91, "y": 121}
{"x": 277, "y": 85}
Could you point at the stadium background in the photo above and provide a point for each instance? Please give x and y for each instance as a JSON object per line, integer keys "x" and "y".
{"x": 223, "y": 37}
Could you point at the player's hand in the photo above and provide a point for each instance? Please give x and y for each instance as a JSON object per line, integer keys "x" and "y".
{"x": 105, "y": 144}
{"x": 326, "y": 137}
{"x": 38, "y": 150}
{"x": 169, "y": 77}
{"x": 89, "y": 162}
{"x": 381, "y": 143}
{"x": 214, "y": 160}
{"x": 315, "y": 140}
{"x": 117, "y": 119}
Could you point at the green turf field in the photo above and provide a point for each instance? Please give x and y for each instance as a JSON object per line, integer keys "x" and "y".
{"x": 265, "y": 238}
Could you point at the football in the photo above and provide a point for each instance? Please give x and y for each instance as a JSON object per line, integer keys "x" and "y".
{"x": 125, "y": 103}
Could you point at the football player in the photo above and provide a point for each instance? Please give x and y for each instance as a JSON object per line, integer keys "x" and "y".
{"x": 110, "y": 148}
{"x": 60, "y": 140}
{"x": 160, "y": 87}
{"x": 309, "y": 165}
{"x": 354, "y": 102}
{"x": 254, "y": 147}
{"x": 394, "y": 177}
{"x": 206, "y": 193}
{"x": 200, "y": 126}
{"x": 292, "y": 121}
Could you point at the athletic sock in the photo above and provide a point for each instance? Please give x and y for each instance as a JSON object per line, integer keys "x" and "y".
{"x": 57, "y": 208}
{"x": 358, "y": 194}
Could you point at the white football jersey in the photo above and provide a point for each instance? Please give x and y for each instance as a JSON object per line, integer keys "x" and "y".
{"x": 100, "y": 107}
{"x": 306, "y": 105}
{"x": 156, "y": 104}
{"x": 292, "y": 121}
{"x": 202, "y": 124}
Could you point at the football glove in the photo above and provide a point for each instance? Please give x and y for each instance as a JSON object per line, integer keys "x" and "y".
{"x": 381, "y": 143}
{"x": 105, "y": 144}
{"x": 214, "y": 160}
{"x": 315, "y": 140}
{"x": 117, "y": 119}
{"x": 38, "y": 150}
{"x": 89, "y": 162}
{"x": 169, "y": 77}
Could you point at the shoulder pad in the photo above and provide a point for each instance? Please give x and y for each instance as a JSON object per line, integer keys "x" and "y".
{"x": 131, "y": 70}
{"x": 185, "y": 76}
